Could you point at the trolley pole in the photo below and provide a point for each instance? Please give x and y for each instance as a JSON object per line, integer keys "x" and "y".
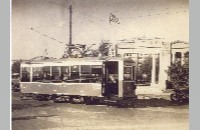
{"x": 70, "y": 29}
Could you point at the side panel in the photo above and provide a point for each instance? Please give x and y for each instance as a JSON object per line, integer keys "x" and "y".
{"x": 129, "y": 89}
{"x": 83, "y": 89}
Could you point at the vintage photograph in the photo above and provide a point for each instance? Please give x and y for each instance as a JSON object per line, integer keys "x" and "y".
{"x": 100, "y": 64}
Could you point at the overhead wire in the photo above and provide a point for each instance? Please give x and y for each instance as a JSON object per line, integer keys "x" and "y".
{"x": 116, "y": 28}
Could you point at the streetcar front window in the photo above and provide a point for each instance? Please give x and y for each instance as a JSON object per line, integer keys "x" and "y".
{"x": 75, "y": 69}
{"x": 96, "y": 69}
{"x": 127, "y": 72}
{"x": 85, "y": 69}
{"x": 25, "y": 74}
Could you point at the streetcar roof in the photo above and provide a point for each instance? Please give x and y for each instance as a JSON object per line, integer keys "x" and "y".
{"x": 64, "y": 62}
{"x": 75, "y": 61}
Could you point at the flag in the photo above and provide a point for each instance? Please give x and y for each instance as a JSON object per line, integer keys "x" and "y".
{"x": 113, "y": 18}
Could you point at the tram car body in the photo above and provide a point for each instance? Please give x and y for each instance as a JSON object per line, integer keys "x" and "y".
{"x": 79, "y": 78}
{"x": 71, "y": 76}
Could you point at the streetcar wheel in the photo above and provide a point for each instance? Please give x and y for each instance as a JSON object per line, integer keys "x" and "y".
{"x": 55, "y": 100}
{"x": 61, "y": 99}
{"x": 87, "y": 100}
{"x": 77, "y": 100}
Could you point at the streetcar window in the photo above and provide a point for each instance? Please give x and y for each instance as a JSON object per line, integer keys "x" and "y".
{"x": 112, "y": 72}
{"x": 90, "y": 78}
{"x": 96, "y": 69}
{"x": 90, "y": 74}
{"x": 37, "y": 74}
{"x": 85, "y": 69}
{"x": 64, "y": 73}
{"x": 85, "y": 78}
{"x": 75, "y": 77}
{"x": 46, "y": 73}
{"x": 56, "y": 73}
{"x": 75, "y": 68}
{"x": 97, "y": 74}
{"x": 85, "y": 74}
{"x": 127, "y": 72}
{"x": 82, "y": 74}
{"x": 97, "y": 78}
{"x": 75, "y": 74}
{"x": 25, "y": 74}
{"x": 65, "y": 69}
{"x": 127, "y": 76}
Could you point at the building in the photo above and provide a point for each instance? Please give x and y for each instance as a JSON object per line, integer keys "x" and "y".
{"x": 166, "y": 52}
{"x": 180, "y": 52}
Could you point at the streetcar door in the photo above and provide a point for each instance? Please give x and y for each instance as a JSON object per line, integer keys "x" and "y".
{"x": 110, "y": 78}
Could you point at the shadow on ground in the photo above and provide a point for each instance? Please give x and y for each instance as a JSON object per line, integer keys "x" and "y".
{"x": 25, "y": 106}
{"x": 31, "y": 117}
{"x": 138, "y": 103}
{"x": 154, "y": 102}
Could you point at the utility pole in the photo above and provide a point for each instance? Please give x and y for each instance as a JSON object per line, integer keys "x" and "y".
{"x": 171, "y": 55}
{"x": 70, "y": 29}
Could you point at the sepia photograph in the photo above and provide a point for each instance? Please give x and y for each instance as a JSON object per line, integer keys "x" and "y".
{"x": 99, "y": 64}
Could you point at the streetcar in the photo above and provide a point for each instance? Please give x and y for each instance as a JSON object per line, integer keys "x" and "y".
{"x": 79, "y": 79}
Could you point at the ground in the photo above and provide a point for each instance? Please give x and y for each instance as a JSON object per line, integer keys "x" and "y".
{"x": 146, "y": 114}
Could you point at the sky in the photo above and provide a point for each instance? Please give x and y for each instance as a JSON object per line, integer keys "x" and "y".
{"x": 38, "y": 25}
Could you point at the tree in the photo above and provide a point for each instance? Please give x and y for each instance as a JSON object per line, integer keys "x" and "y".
{"x": 16, "y": 66}
{"x": 91, "y": 53}
{"x": 104, "y": 48}
{"x": 179, "y": 74}
{"x": 79, "y": 50}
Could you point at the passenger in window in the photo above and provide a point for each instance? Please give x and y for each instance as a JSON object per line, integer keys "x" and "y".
{"x": 65, "y": 77}
{"x": 47, "y": 76}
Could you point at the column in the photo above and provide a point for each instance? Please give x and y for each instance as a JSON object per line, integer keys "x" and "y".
{"x": 173, "y": 57}
{"x": 153, "y": 70}
{"x": 164, "y": 64}
{"x": 182, "y": 58}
